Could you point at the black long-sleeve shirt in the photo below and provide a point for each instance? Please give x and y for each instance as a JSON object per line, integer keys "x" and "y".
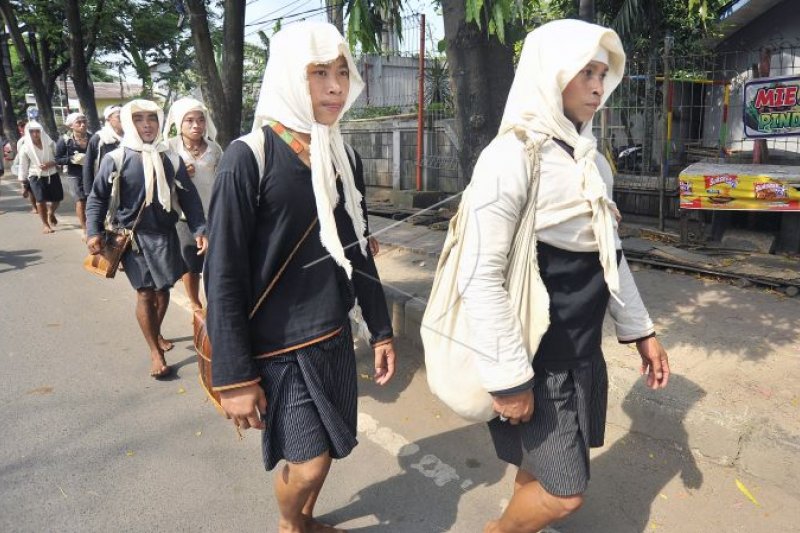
{"x": 155, "y": 219}
{"x": 253, "y": 227}
{"x": 95, "y": 151}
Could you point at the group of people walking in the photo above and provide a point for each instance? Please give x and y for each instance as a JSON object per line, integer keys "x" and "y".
{"x": 285, "y": 258}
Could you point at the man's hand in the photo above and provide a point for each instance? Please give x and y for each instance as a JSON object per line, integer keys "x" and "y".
{"x": 190, "y": 170}
{"x": 244, "y": 406}
{"x": 374, "y": 246}
{"x": 516, "y": 408}
{"x": 384, "y": 362}
{"x": 95, "y": 244}
{"x": 202, "y": 244}
{"x": 655, "y": 362}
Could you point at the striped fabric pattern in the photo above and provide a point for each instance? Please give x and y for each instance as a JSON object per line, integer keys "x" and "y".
{"x": 312, "y": 396}
{"x": 568, "y": 418}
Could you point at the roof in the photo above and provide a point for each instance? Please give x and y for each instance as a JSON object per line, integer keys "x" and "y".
{"x": 105, "y": 90}
{"x": 737, "y": 14}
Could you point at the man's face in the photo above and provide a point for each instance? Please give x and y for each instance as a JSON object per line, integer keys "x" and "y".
{"x": 193, "y": 126}
{"x": 79, "y": 126}
{"x": 146, "y": 123}
{"x": 329, "y": 85}
{"x": 115, "y": 122}
{"x": 582, "y": 96}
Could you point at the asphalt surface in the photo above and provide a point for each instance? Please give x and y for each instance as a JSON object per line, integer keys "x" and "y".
{"x": 92, "y": 444}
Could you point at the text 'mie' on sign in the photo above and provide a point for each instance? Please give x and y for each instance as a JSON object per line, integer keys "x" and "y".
{"x": 772, "y": 107}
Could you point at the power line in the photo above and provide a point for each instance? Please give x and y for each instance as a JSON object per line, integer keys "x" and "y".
{"x": 285, "y": 17}
{"x": 262, "y": 17}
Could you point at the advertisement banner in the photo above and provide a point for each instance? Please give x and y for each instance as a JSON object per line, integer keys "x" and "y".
{"x": 740, "y": 187}
{"x": 771, "y": 107}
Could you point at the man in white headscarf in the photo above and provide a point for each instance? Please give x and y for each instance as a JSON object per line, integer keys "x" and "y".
{"x": 71, "y": 152}
{"x": 287, "y": 213}
{"x": 552, "y": 411}
{"x": 190, "y": 133}
{"x": 142, "y": 185}
{"x": 37, "y": 164}
{"x": 102, "y": 142}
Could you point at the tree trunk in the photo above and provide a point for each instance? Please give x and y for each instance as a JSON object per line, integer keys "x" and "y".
{"x": 80, "y": 69}
{"x": 481, "y": 72}
{"x": 226, "y": 116}
{"x": 32, "y": 69}
{"x": 6, "y": 101}
{"x": 586, "y": 10}
{"x": 233, "y": 67}
{"x": 336, "y": 14}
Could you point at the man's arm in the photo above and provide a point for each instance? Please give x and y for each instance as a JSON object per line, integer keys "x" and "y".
{"x": 62, "y": 152}
{"x": 89, "y": 162}
{"x": 227, "y": 277}
{"x": 190, "y": 201}
{"x": 97, "y": 202}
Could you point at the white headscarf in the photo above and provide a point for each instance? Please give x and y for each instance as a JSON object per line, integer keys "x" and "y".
{"x": 47, "y": 153}
{"x": 154, "y": 177}
{"x": 285, "y": 97}
{"x": 180, "y": 108}
{"x": 107, "y": 133}
{"x": 552, "y": 56}
{"x": 72, "y": 117}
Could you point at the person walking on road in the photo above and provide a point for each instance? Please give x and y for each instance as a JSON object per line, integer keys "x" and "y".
{"x": 194, "y": 142}
{"x": 101, "y": 143}
{"x": 71, "y": 152}
{"x": 37, "y": 165}
{"x": 551, "y": 412}
{"x": 148, "y": 185}
{"x": 290, "y": 369}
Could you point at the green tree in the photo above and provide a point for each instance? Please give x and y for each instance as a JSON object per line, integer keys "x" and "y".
{"x": 35, "y": 27}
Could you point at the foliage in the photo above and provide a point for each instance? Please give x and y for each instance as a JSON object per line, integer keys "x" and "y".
{"x": 368, "y": 19}
{"x": 373, "y": 112}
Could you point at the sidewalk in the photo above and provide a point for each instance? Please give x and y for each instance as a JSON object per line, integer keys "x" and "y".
{"x": 734, "y": 352}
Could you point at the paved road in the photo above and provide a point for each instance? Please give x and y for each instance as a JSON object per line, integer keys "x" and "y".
{"x": 92, "y": 444}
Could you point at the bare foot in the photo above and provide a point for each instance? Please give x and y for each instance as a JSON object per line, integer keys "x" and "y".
{"x": 53, "y": 219}
{"x": 314, "y": 526}
{"x": 159, "y": 368}
{"x": 164, "y": 344}
{"x": 492, "y": 527}
{"x": 34, "y": 211}
{"x": 48, "y": 229}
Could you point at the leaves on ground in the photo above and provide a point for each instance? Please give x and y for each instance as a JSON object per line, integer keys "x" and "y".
{"x": 41, "y": 391}
{"x": 744, "y": 490}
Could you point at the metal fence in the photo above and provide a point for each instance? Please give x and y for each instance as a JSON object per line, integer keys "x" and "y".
{"x": 672, "y": 111}
{"x": 386, "y": 125}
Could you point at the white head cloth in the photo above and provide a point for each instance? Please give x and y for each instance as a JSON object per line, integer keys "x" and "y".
{"x": 155, "y": 180}
{"x": 107, "y": 133}
{"x": 552, "y": 56}
{"x": 285, "y": 97}
{"x": 72, "y": 117}
{"x": 33, "y": 152}
{"x": 179, "y": 109}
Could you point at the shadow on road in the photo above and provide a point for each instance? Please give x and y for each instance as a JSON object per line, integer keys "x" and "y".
{"x": 629, "y": 476}
{"x": 436, "y": 473}
{"x": 18, "y": 259}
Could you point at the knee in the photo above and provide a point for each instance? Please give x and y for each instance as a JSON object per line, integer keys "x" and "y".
{"x": 146, "y": 295}
{"x": 304, "y": 475}
{"x": 563, "y": 506}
